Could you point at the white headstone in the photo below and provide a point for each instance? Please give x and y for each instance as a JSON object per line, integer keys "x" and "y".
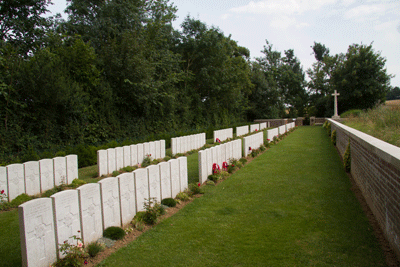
{"x": 140, "y": 153}
{"x": 146, "y": 149}
{"x": 119, "y": 158}
{"x": 90, "y": 212}
{"x": 214, "y": 155}
{"x": 36, "y": 227}
{"x": 152, "y": 149}
{"x": 174, "y": 173}
{"x": 16, "y": 180}
{"x": 228, "y": 151}
{"x": 178, "y": 145}
{"x": 202, "y": 166}
{"x": 46, "y": 174}
{"x": 134, "y": 155}
{"x": 158, "y": 150}
{"x": 183, "y": 144}
{"x": 153, "y": 174}
{"x": 162, "y": 144}
{"x": 66, "y": 216}
{"x": 127, "y": 197}
{"x": 60, "y": 170}
{"x": 174, "y": 145}
{"x": 111, "y": 161}
{"x": 219, "y": 155}
{"x": 222, "y": 153}
{"x": 142, "y": 188}
{"x": 165, "y": 180}
{"x": 110, "y": 202}
{"x": 72, "y": 168}
{"x": 3, "y": 180}
{"x": 102, "y": 162}
{"x": 127, "y": 156}
{"x": 209, "y": 161}
{"x": 32, "y": 177}
{"x": 183, "y": 173}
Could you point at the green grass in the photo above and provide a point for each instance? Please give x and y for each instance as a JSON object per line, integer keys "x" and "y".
{"x": 292, "y": 206}
{"x": 382, "y": 122}
{"x": 10, "y": 248}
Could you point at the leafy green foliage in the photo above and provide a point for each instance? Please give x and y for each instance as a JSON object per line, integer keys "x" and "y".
{"x": 94, "y": 248}
{"x": 170, "y": 202}
{"x": 153, "y": 211}
{"x": 77, "y": 182}
{"x": 333, "y": 137}
{"x": 182, "y": 196}
{"x": 114, "y": 233}
{"x": 347, "y": 158}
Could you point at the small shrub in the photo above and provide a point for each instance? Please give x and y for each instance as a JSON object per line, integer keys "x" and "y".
{"x": 153, "y": 211}
{"x": 76, "y": 183}
{"x": 213, "y": 177}
{"x": 179, "y": 155}
{"x": 168, "y": 153}
{"x": 60, "y": 154}
{"x": 155, "y": 162}
{"x": 52, "y": 191}
{"x": 74, "y": 254}
{"x": 239, "y": 164}
{"x": 224, "y": 174}
{"x": 20, "y": 200}
{"x": 209, "y": 182}
{"x": 262, "y": 148}
{"x": 128, "y": 169}
{"x": 325, "y": 124}
{"x": 232, "y": 168}
{"x": 170, "y": 202}
{"x": 351, "y": 113}
{"x": 254, "y": 153}
{"x": 328, "y": 128}
{"x": 333, "y": 137}
{"x": 275, "y": 140}
{"x": 243, "y": 160}
{"x": 182, "y": 196}
{"x": 114, "y": 233}
{"x": 115, "y": 173}
{"x": 347, "y": 158}
{"x": 195, "y": 189}
{"x": 166, "y": 158}
{"x": 94, "y": 248}
{"x": 146, "y": 161}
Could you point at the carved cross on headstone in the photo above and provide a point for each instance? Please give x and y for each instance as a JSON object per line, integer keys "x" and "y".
{"x": 335, "y": 115}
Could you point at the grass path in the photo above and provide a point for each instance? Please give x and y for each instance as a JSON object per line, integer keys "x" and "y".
{"x": 291, "y": 206}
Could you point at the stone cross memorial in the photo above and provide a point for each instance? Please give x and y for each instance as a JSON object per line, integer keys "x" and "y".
{"x": 335, "y": 115}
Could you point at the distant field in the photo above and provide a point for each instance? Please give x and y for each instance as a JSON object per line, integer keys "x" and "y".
{"x": 393, "y": 102}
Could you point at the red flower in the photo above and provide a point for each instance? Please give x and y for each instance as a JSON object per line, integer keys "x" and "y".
{"x": 249, "y": 147}
{"x": 198, "y": 184}
{"x": 85, "y": 262}
{"x": 2, "y": 191}
{"x": 256, "y": 130}
{"x": 267, "y": 139}
{"x": 233, "y": 165}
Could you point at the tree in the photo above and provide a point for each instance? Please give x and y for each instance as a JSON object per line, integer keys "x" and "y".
{"x": 361, "y": 78}
{"x": 393, "y": 94}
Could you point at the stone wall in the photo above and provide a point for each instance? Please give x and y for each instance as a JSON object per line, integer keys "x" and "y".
{"x": 375, "y": 166}
{"x": 88, "y": 210}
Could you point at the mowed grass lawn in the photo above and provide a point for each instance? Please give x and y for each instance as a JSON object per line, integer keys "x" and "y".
{"x": 291, "y": 206}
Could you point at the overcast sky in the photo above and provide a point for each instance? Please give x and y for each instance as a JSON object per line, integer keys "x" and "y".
{"x": 296, "y": 24}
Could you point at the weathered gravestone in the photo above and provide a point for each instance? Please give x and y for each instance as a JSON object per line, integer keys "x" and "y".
{"x": 60, "y": 170}
{"x": 127, "y": 197}
{"x": 37, "y": 234}
{"x": 72, "y": 168}
{"x": 140, "y": 153}
{"x": 183, "y": 174}
{"x": 165, "y": 178}
{"x": 111, "y": 161}
{"x": 32, "y": 177}
{"x": 142, "y": 188}
{"x": 222, "y": 153}
{"x": 3, "y": 180}
{"x": 16, "y": 180}
{"x": 127, "y": 156}
{"x": 146, "y": 149}
{"x": 110, "y": 202}
{"x": 214, "y": 155}
{"x": 174, "y": 144}
{"x": 90, "y": 212}
{"x": 134, "y": 155}
{"x": 102, "y": 162}
{"x": 209, "y": 161}
{"x": 158, "y": 150}
{"x": 162, "y": 149}
{"x": 46, "y": 174}
{"x": 153, "y": 174}
{"x": 152, "y": 150}
{"x": 203, "y": 166}
{"x": 119, "y": 158}
{"x": 66, "y": 217}
{"x": 228, "y": 150}
{"x": 174, "y": 173}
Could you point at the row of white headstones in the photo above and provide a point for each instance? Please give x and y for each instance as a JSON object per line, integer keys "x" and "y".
{"x": 114, "y": 159}
{"x": 91, "y": 208}
{"x": 225, "y": 134}
{"x": 35, "y": 177}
